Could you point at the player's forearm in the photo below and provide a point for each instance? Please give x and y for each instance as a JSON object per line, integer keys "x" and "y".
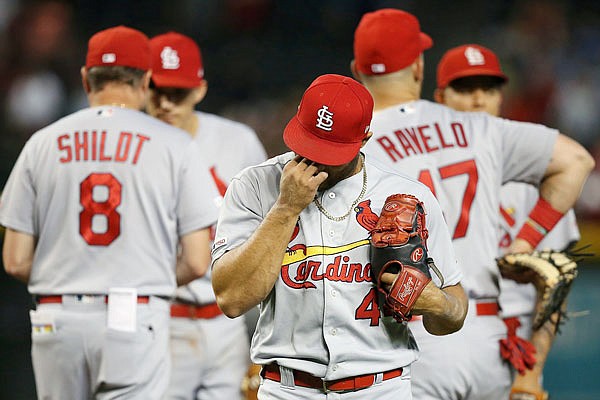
{"x": 244, "y": 276}
{"x": 193, "y": 259}
{"x": 445, "y": 309}
{"x": 184, "y": 273}
{"x": 17, "y": 254}
{"x": 568, "y": 169}
{"x": 542, "y": 339}
{"x": 563, "y": 180}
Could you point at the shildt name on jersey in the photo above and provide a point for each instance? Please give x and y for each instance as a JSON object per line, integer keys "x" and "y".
{"x": 92, "y": 146}
{"x": 422, "y": 139}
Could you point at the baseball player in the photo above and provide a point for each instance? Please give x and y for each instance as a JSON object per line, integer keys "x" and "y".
{"x": 464, "y": 158}
{"x": 469, "y": 78}
{"x": 293, "y": 236}
{"x": 95, "y": 208}
{"x": 210, "y": 352}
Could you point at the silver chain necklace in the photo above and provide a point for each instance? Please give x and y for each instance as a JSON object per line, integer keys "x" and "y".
{"x": 359, "y": 198}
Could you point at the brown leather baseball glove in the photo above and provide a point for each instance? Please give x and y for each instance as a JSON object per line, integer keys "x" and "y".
{"x": 399, "y": 246}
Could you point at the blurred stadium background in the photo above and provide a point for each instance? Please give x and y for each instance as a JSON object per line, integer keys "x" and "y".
{"x": 259, "y": 55}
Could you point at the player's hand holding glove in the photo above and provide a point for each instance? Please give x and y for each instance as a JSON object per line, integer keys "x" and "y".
{"x": 552, "y": 273}
{"x": 399, "y": 246}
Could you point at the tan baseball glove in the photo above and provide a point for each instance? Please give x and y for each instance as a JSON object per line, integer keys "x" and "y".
{"x": 551, "y": 271}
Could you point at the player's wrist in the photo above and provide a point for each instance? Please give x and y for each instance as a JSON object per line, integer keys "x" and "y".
{"x": 542, "y": 218}
{"x": 285, "y": 210}
{"x": 431, "y": 301}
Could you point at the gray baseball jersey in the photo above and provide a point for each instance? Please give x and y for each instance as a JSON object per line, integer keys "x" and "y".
{"x": 226, "y": 147}
{"x": 464, "y": 158}
{"x": 210, "y": 356}
{"x": 107, "y": 191}
{"x": 517, "y": 201}
{"x": 324, "y": 302}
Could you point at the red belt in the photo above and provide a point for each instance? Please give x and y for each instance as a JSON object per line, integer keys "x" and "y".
{"x": 489, "y": 308}
{"x": 304, "y": 379}
{"x": 180, "y": 310}
{"x": 59, "y": 299}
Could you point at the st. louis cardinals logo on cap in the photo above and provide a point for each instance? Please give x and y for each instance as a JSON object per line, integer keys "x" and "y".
{"x": 474, "y": 56}
{"x": 324, "y": 119}
{"x": 169, "y": 58}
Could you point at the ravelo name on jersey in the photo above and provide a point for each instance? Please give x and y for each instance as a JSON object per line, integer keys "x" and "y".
{"x": 422, "y": 139}
{"x": 91, "y": 146}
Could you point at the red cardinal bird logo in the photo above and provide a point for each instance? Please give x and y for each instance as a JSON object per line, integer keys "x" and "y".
{"x": 365, "y": 216}
{"x": 298, "y": 246}
{"x": 295, "y": 233}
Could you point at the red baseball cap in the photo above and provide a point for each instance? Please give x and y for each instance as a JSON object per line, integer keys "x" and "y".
{"x": 333, "y": 118}
{"x": 120, "y": 45}
{"x": 388, "y": 40}
{"x": 468, "y": 60}
{"x": 176, "y": 61}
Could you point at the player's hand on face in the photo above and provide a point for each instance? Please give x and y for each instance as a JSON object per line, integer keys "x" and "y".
{"x": 299, "y": 183}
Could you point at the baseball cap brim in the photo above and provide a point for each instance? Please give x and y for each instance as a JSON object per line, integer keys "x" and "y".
{"x": 321, "y": 151}
{"x": 464, "y": 73}
{"x": 426, "y": 41}
{"x": 173, "y": 81}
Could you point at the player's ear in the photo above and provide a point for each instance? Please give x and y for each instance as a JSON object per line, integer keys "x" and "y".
{"x": 146, "y": 80}
{"x": 84, "y": 81}
{"x": 200, "y": 91}
{"x": 418, "y": 68}
{"x": 366, "y": 139}
{"x": 355, "y": 73}
{"x": 438, "y": 95}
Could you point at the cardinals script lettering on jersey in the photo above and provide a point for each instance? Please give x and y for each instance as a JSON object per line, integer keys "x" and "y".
{"x": 92, "y": 146}
{"x": 337, "y": 271}
{"x": 422, "y": 139}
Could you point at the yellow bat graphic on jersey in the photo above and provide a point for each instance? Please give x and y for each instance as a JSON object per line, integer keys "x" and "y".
{"x": 302, "y": 253}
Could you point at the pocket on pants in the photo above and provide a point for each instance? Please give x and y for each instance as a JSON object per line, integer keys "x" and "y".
{"x": 122, "y": 353}
{"x": 44, "y": 347}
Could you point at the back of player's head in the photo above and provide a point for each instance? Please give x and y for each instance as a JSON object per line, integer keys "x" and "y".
{"x": 388, "y": 40}
{"x": 333, "y": 119}
{"x": 469, "y": 60}
{"x": 119, "y": 46}
{"x": 176, "y": 61}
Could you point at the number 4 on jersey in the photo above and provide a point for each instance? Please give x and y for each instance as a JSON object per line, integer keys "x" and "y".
{"x": 368, "y": 308}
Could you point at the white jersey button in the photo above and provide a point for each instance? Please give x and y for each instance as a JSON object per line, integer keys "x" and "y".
{"x": 333, "y": 293}
{"x": 333, "y": 331}
{"x": 332, "y": 195}
{"x": 331, "y": 233}
{"x": 335, "y": 367}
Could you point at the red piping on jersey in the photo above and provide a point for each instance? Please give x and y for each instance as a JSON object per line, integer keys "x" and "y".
{"x": 507, "y": 217}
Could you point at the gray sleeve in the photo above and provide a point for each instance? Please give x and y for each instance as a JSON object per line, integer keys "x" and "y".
{"x": 198, "y": 196}
{"x": 526, "y": 150}
{"x": 17, "y": 204}
{"x": 439, "y": 243}
{"x": 240, "y": 215}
